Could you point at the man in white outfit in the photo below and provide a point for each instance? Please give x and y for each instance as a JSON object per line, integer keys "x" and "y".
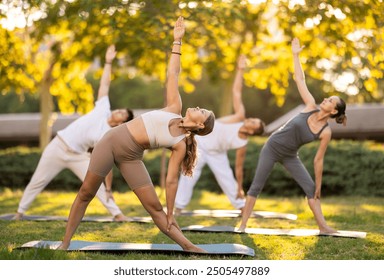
{"x": 229, "y": 132}
{"x": 69, "y": 149}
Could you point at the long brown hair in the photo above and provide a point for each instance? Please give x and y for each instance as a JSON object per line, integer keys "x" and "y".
{"x": 190, "y": 157}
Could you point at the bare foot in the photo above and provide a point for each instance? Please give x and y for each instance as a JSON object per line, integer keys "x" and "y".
{"x": 326, "y": 230}
{"x": 63, "y": 246}
{"x": 121, "y": 218}
{"x": 240, "y": 229}
{"x": 18, "y": 216}
{"x": 241, "y": 212}
{"x": 195, "y": 249}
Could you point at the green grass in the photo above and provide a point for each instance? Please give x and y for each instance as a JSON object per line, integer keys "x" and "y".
{"x": 343, "y": 213}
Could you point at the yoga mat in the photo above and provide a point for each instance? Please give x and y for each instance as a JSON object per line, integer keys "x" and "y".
{"x": 87, "y": 246}
{"x": 270, "y": 231}
{"x": 10, "y": 217}
{"x": 236, "y": 213}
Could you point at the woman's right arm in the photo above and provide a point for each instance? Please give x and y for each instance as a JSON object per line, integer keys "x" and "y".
{"x": 237, "y": 90}
{"x": 106, "y": 76}
{"x": 174, "y": 103}
{"x": 306, "y": 96}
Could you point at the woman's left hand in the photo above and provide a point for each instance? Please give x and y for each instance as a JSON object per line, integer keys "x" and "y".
{"x": 295, "y": 46}
{"x": 171, "y": 222}
{"x": 240, "y": 193}
{"x": 179, "y": 29}
{"x": 110, "y": 196}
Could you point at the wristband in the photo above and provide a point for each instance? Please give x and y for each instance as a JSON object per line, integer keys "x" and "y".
{"x": 176, "y": 53}
{"x": 177, "y": 43}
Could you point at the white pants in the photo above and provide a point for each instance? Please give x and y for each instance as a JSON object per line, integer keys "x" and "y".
{"x": 219, "y": 164}
{"x": 55, "y": 158}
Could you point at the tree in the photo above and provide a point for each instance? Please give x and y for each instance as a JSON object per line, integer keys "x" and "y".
{"x": 343, "y": 39}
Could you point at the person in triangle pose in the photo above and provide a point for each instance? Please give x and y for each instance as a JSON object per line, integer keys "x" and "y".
{"x": 231, "y": 132}
{"x": 282, "y": 146}
{"x": 125, "y": 144}
{"x": 70, "y": 147}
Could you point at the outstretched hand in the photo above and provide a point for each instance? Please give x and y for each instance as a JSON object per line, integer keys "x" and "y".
{"x": 109, "y": 196}
{"x": 240, "y": 194}
{"x": 295, "y": 45}
{"x": 179, "y": 29}
{"x": 110, "y": 54}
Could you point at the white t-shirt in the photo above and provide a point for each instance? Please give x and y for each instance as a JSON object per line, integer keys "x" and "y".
{"x": 84, "y": 132}
{"x": 223, "y": 137}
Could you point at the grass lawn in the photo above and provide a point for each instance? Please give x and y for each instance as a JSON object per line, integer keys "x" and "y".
{"x": 343, "y": 213}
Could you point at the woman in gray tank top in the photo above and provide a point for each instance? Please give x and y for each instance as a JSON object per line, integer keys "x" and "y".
{"x": 283, "y": 145}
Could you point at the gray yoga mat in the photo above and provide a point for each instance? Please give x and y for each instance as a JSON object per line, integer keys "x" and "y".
{"x": 100, "y": 219}
{"x": 212, "y": 249}
{"x": 236, "y": 213}
{"x": 270, "y": 231}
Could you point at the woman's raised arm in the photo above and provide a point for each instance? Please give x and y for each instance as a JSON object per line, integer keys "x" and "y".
{"x": 306, "y": 96}
{"x": 174, "y": 103}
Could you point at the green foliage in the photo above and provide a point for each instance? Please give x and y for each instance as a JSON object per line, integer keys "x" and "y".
{"x": 350, "y": 168}
{"x": 18, "y": 166}
{"x": 344, "y": 34}
{"x": 136, "y": 93}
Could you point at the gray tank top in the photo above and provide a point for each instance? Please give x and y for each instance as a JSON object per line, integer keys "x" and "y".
{"x": 293, "y": 134}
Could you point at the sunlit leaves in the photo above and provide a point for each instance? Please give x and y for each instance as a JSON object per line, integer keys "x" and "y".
{"x": 348, "y": 35}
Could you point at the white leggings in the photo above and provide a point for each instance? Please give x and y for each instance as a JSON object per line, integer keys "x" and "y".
{"x": 220, "y": 166}
{"x": 55, "y": 158}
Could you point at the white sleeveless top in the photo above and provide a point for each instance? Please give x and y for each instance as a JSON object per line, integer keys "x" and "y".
{"x": 224, "y": 137}
{"x": 157, "y": 126}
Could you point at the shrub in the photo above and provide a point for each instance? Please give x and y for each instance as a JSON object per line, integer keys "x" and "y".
{"x": 350, "y": 168}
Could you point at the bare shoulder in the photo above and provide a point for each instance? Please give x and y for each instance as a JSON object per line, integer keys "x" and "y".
{"x": 326, "y": 134}
{"x": 172, "y": 109}
{"x": 180, "y": 146}
{"x": 309, "y": 108}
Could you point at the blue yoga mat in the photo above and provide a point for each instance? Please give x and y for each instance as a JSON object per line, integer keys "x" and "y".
{"x": 88, "y": 246}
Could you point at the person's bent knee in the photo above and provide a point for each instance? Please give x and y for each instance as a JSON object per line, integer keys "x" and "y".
{"x": 85, "y": 195}
{"x": 254, "y": 192}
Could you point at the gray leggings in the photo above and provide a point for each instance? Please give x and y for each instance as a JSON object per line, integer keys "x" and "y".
{"x": 292, "y": 163}
{"x": 120, "y": 148}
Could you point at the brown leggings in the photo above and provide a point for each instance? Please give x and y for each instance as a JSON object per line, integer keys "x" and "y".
{"x": 119, "y": 147}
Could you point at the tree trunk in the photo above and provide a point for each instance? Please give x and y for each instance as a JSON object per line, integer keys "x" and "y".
{"x": 46, "y": 101}
{"x": 226, "y": 100}
{"x": 46, "y": 121}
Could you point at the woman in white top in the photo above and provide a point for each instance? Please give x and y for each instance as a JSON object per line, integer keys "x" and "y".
{"x": 231, "y": 132}
{"x": 69, "y": 149}
{"x": 125, "y": 145}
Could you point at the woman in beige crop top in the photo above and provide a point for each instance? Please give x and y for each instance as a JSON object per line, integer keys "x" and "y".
{"x": 196, "y": 121}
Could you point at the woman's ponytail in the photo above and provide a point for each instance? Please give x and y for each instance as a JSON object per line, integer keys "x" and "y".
{"x": 340, "y": 116}
{"x": 190, "y": 157}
